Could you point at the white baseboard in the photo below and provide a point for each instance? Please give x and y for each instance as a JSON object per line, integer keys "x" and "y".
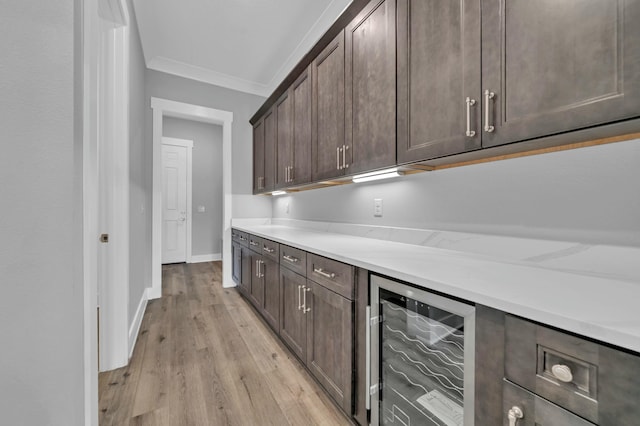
{"x": 205, "y": 258}
{"x": 137, "y": 322}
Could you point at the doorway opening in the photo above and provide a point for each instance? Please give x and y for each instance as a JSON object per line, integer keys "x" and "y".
{"x": 168, "y": 108}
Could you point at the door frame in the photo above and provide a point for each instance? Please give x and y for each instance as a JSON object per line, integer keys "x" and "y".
{"x": 188, "y": 144}
{"x": 88, "y": 39}
{"x": 168, "y": 108}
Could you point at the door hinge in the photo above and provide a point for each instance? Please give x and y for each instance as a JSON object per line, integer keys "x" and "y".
{"x": 104, "y": 238}
{"x": 375, "y": 320}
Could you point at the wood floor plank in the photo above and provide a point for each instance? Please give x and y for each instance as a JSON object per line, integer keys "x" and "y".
{"x": 204, "y": 357}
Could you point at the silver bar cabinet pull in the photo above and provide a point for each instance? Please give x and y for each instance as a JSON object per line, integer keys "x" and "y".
{"x": 291, "y": 174}
{"x": 488, "y": 97}
{"x": 290, "y": 258}
{"x": 299, "y": 298}
{"x": 304, "y": 308}
{"x": 338, "y": 158}
{"x": 267, "y": 249}
{"x": 344, "y": 157}
{"x": 367, "y": 352}
{"x": 470, "y": 102}
{"x": 257, "y": 269}
{"x": 514, "y": 414}
{"x": 323, "y": 273}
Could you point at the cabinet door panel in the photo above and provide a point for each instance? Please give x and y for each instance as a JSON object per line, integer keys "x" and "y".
{"x": 438, "y": 68}
{"x": 330, "y": 341}
{"x": 245, "y": 278}
{"x": 236, "y": 270}
{"x": 328, "y": 113}
{"x": 256, "y": 294}
{"x": 293, "y": 326}
{"x": 284, "y": 155}
{"x": 559, "y": 66}
{"x": 370, "y": 88}
{"x": 270, "y": 140}
{"x": 301, "y": 106}
{"x": 258, "y": 156}
{"x": 271, "y": 310}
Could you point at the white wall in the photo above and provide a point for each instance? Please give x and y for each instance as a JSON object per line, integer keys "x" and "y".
{"x": 243, "y": 106}
{"x": 207, "y": 181}
{"x": 41, "y": 307}
{"x": 589, "y": 195}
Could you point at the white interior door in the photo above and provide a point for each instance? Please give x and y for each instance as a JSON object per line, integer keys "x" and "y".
{"x": 175, "y": 211}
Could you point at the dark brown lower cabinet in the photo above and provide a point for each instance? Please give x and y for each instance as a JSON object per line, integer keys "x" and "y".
{"x": 256, "y": 292}
{"x": 236, "y": 267}
{"x": 245, "y": 277}
{"x": 271, "y": 307}
{"x": 293, "y": 324}
{"x": 330, "y": 341}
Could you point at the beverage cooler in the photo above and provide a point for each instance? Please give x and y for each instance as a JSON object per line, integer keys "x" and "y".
{"x": 420, "y": 362}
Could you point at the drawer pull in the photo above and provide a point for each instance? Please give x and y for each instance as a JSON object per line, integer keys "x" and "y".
{"x": 268, "y": 250}
{"x": 290, "y": 258}
{"x": 242, "y": 238}
{"x": 253, "y": 243}
{"x": 562, "y": 372}
{"x": 300, "y": 287}
{"x": 514, "y": 414}
{"x": 323, "y": 273}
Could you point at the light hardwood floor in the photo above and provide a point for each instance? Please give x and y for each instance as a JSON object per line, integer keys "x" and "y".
{"x": 203, "y": 357}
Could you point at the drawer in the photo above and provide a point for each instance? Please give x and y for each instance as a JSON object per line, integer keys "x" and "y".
{"x": 255, "y": 243}
{"x": 557, "y": 366}
{"x": 334, "y": 275}
{"x": 240, "y": 237}
{"x": 534, "y": 411}
{"x": 293, "y": 259}
{"x": 270, "y": 249}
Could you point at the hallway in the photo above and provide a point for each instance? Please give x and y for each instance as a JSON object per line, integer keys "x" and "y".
{"x": 203, "y": 357}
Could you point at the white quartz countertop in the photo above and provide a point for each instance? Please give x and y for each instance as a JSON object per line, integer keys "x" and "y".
{"x": 602, "y": 308}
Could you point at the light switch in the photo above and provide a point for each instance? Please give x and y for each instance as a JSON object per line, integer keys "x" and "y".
{"x": 201, "y": 209}
{"x": 377, "y": 207}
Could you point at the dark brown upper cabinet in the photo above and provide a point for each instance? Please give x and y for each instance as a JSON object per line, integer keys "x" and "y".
{"x": 293, "y": 111}
{"x": 300, "y": 171}
{"x": 258, "y": 157}
{"x": 438, "y": 111}
{"x": 327, "y": 72}
{"x": 270, "y": 138}
{"x": 284, "y": 156}
{"x": 370, "y": 88}
{"x": 264, "y": 153}
{"x": 549, "y": 70}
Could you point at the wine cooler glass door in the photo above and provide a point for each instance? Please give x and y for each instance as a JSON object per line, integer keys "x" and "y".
{"x": 422, "y": 357}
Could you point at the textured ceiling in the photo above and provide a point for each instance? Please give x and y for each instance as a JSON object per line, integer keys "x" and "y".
{"x": 247, "y": 45}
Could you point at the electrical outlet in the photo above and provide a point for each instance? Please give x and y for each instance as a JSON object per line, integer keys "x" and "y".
{"x": 377, "y": 207}
{"x": 201, "y": 209}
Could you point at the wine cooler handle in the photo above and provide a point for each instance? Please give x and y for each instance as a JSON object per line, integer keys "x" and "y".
{"x": 367, "y": 351}
{"x": 514, "y": 414}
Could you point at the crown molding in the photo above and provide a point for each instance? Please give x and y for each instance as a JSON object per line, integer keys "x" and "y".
{"x": 181, "y": 69}
{"x": 315, "y": 33}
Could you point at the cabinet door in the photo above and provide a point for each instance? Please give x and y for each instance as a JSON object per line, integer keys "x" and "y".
{"x": 245, "y": 278}
{"x": 301, "y": 107}
{"x": 236, "y": 267}
{"x": 330, "y": 341}
{"x": 370, "y": 88}
{"x": 271, "y": 279}
{"x": 438, "y": 68}
{"x": 256, "y": 293}
{"x": 293, "y": 325}
{"x": 258, "y": 157}
{"x": 284, "y": 154}
{"x": 559, "y": 66}
{"x": 270, "y": 140}
{"x": 328, "y": 110}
